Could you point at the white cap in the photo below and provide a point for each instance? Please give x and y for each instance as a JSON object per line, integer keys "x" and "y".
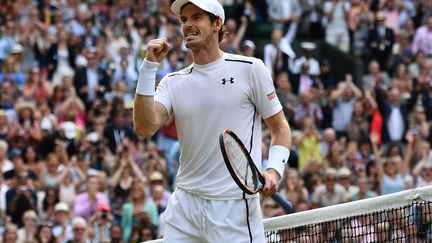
{"x": 211, "y": 6}
{"x": 17, "y": 48}
{"x": 249, "y": 44}
{"x": 308, "y": 45}
{"x": 69, "y": 129}
{"x": 61, "y": 206}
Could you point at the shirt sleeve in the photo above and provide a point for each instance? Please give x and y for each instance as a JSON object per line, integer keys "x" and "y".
{"x": 263, "y": 91}
{"x": 163, "y": 95}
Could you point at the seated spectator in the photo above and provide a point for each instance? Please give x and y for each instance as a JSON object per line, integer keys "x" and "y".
{"x": 364, "y": 191}
{"x": 27, "y": 233}
{"x": 10, "y": 71}
{"x": 133, "y": 211}
{"x": 81, "y": 232}
{"x": 87, "y": 202}
{"x": 309, "y": 146}
{"x": 62, "y": 228}
{"x": 308, "y": 49}
{"x": 44, "y": 234}
{"x": 20, "y": 198}
{"x": 329, "y": 193}
{"x": 51, "y": 198}
{"x": 10, "y": 233}
{"x": 307, "y": 108}
{"x": 346, "y": 181}
{"x": 293, "y": 189}
{"x": 335, "y": 157}
{"x": 375, "y": 76}
{"x": 402, "y": 81}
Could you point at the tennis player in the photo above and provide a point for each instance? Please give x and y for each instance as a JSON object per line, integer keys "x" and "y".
{"x": 218, "y": 91}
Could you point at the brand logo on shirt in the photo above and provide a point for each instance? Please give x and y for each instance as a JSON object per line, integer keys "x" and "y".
{"x": 231, "y": 80}
{"x": 271, "y": 96}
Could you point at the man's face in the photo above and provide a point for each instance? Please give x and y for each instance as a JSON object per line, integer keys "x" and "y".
{"x": 198, "y": 30}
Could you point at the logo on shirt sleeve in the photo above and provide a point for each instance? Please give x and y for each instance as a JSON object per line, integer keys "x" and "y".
{"x": 271, "y": 96}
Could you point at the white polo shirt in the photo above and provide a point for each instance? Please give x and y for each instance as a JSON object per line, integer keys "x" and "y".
{"x": 205, "y": 100}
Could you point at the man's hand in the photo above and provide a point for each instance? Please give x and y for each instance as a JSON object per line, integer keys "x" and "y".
{"x": 157, "y": 49}
{"x": 271, "y": 181}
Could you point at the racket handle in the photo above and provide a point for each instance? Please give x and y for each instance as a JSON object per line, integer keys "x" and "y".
{"x": 286, "y": 205}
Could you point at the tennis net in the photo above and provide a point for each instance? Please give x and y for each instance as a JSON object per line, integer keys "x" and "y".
{"x": 400, "y": 217}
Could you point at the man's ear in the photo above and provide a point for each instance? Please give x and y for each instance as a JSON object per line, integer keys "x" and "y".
{"x": 218, "y": 24}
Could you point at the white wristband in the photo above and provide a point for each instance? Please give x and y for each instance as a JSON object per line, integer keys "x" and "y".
{"x": 146, "y": 80}
{"x": 278, "y": 158}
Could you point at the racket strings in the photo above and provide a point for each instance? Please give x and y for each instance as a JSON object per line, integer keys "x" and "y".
{"x": 240, "y": 163}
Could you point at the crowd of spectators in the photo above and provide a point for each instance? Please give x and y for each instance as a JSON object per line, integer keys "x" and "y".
{"x": 73, "y": 170}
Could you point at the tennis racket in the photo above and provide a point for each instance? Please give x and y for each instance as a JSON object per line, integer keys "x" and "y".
{"x": 242, "y": 168}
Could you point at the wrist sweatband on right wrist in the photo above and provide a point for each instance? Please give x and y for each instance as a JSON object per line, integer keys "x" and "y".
{"x": 146, "y": 80}
{"x": 278, "y": 158}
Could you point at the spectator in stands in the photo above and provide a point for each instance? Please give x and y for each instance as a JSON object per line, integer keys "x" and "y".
{"x": 342, "y": 101}
{"x": 286, "y": 96}
{"x": 304, "y": 82}
{"x": 394, "y": 113}
{"x": 422, "y": 171}
{"x": 247, "y": 48}
{"x": 293, "y": 189}
{"x": 62, "y": 227}
{"x": 117, "y": 130}
{"x": 80, "y": 230}
{"x": 8, "y": 39}
{"x": 418, "y": 124}
{"x": 231, "y": 43}
{"x": 329, "y": 137}
{"x": 92, "y": 81}
{"x": 380, "y": 40}
{"x": 309, "y": 146}
{"x": 123, "y": 179}
{"x": 20, "y": 198}
{"x": 336, "y": 25}
{"x": 329, "y": 193}
{"x": 358, "y": 126}
{"x": 5, "y": 163}
{"x": 375, "y": 75}
{"x": 364, "y": 191}
{"x": 391, "y": 172}
{"x": 307, "y": 108}
{"x": 125, "y": 73}
{"x": 334, "y": 157}
{"x": 278, "y": 52}
{"x": 86, "y": 203}
{"x": 44, "y": 233}
{"x": 284, "y": 13}
{"x": 27, "y": 232}
{"x": 61, "y": 57}
{"x": 308, "y": 49}
{"x": 310, "y": 22}
{"x": 47, "y": 210}
{"x": 422, "y": 40}
{"x": 138, "y": 207}
{"x": 402, "y": 81}
{"x": 36, "y": 88}
{"x": 418, "y": 65}
{"x": 10, "y": 233}
{"x": 345, "y": 180}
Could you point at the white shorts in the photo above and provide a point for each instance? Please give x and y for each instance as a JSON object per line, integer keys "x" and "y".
{"x": 190, "y": 218}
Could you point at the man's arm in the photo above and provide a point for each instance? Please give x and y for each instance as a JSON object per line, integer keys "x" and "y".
{"x": 148, "y": 115}
{"x": 279, "y": 151}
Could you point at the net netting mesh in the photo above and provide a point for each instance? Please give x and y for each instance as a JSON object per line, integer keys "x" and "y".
{"x": 240, "y": 163}
{"x": 412, "y": 223}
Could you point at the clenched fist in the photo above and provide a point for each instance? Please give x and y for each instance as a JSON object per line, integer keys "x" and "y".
{"x": 157, "y": 49}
